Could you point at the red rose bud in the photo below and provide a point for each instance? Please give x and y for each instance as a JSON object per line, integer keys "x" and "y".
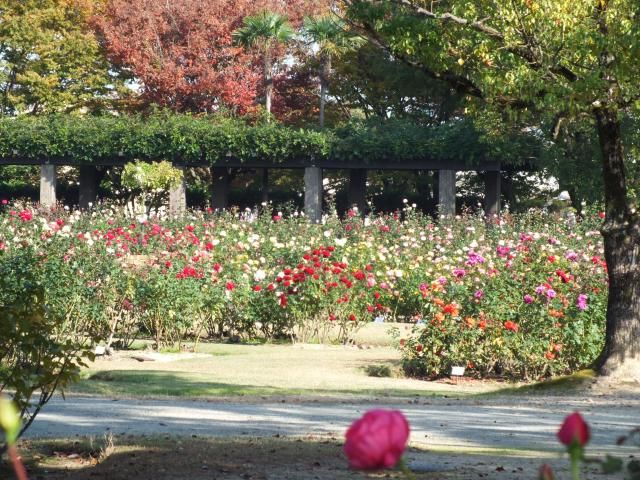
{"x": 377, "y": 440}
{"x": 574, "y": 431}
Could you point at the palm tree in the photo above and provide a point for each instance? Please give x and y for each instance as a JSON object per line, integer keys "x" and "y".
{"x": 330, "y": 38}
{"x": 265, "y": 30}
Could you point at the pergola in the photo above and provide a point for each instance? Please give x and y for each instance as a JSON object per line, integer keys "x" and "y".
{"x": 222, "y": 144}
{"x": 313, "y": 175}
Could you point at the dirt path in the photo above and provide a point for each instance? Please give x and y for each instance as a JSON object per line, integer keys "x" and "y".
{"x": 497, "y": 423}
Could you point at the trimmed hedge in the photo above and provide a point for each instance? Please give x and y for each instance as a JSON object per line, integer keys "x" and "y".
{"x": 178, "y": 138}
{"x": 212, "y": 140}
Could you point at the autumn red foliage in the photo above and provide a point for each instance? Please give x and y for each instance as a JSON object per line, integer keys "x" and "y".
{"x": 182, "y": 53}
{"x": 296, "y": 96}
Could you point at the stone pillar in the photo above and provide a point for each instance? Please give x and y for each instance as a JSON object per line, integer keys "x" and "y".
{"x": 447, "y": 192}
{"x": 357, "y": 194}
{"x": 178, "y": 195}
{"x": 88, "y": 186}
{"x": 491, "y": 193}
{"x": 220, "y": 187}
{"x": 264, "y": 190}
{"x": 48, "y": 185}
{"x": 313, "y": 194}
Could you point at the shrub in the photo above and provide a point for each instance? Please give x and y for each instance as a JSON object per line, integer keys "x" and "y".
{"x": 43, "y": 347}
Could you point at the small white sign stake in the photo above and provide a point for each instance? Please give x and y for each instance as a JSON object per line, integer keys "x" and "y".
{"x": 457, "y": 371}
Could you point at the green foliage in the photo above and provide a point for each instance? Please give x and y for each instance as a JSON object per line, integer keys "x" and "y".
{"x": 330, "y": 36}
{"x": 369, "y": 83}
{"x": 44, "y": 342}
{"x": 50, "y": 60}
{"x": 398, "y": 141}
{"x": 150, "y": 182}
{"x": 381, "y": 371}
{"x": 151, "y": 177}
{"x": 548, "y": 65}
{"x": 263, "y": 29}
{"x": 185, "y": 139}
{"x": 178, "y": 138}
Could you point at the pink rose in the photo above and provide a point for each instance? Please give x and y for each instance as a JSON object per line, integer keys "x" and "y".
{"x": 377, "y": 440}
{"x": 574, "y": 430}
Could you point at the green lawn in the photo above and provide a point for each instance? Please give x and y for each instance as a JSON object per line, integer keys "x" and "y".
{"x": 222, "y": 370}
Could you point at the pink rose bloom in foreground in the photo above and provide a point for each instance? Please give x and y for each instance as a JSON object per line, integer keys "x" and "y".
{"x": 377, "y": 440}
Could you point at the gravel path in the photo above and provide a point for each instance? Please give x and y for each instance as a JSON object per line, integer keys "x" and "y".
{"x": 505, "y": 422}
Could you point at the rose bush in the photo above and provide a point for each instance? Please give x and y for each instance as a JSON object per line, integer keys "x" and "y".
{"x": 523, "y": 297}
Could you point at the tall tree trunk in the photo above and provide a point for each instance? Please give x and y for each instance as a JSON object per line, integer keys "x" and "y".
{"x": 268, "y": 80}
{"x": 325, "y": 71}
{"x": 620, "y": 357}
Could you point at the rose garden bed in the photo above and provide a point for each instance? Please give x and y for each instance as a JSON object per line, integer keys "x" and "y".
{"x": 521, "y": 298}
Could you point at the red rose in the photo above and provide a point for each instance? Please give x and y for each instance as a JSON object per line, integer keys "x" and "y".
{"x": 377, "y": 440}
{"x": 25, "y": 215}
{"x": 574, "y": 430}
{"x": 509, "y": 325}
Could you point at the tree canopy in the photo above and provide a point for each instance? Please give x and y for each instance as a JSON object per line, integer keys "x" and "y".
{"x": 182, "y": 53}
{"x": 50, "y": 60}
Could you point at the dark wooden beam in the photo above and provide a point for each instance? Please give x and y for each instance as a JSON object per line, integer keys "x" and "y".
{"x": 423, "y": 164}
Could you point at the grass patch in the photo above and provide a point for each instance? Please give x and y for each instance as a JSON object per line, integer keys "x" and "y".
{"x": 565, "y": 384}
{"x": 261, "y": 370}
{"x": 167, "y": 384}
{"x": 381, "y": 371}
{"x": 275, "y": 370}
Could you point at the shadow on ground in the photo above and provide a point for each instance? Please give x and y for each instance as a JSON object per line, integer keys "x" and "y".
{"x": 158, "y": 383}
{"x": 318, "y": 458}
